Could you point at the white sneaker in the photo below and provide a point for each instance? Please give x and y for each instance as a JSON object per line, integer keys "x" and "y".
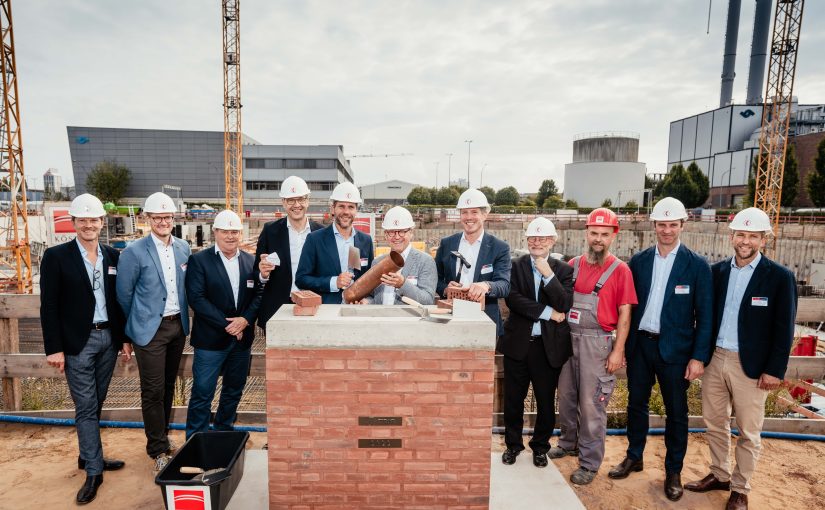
{"x": 173, "y": 448}
{"x": 161, "y": 461}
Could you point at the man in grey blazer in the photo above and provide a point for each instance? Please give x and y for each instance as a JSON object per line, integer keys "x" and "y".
{"x": 417, "y": 279}
{"x": 150, "y": 289}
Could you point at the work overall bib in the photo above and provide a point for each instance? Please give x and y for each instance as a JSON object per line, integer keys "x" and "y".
{"x": 585, "y": 385}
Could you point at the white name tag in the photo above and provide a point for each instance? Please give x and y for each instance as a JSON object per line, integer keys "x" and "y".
{"x": 183, "y": 267}
{"x": 365, "y": 262}
{"x": 413, "y": 280}
{"x": 250, "y": 284}
{"x": 112, "y": 270}
{"x": 573, "y": 316}
{"x": 683, "y": 289}
{"x": 487, "y": 269}
{"x": 759, "y": 301}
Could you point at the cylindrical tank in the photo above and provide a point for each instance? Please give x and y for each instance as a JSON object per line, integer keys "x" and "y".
{"x": 729, "y": 58}
{"x": 361, "y": 287}
{"x": 606, "y": 146}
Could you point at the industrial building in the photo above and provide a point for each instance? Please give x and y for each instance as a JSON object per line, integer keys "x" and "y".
{"x": 392, "y": 192}
{"x": 190, "y": 164}
{"x": 605, "y": 166}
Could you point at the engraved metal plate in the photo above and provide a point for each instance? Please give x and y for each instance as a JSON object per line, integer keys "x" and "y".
{"x": 379, "y": 443}
{"x": 379, "y": 421}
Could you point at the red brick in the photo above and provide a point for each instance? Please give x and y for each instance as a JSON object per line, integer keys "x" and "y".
{"x": 305, "y": 298}
{"x": 304, "y": 311}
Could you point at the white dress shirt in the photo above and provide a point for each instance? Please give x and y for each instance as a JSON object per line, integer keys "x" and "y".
{"x": 166, "y": 254}
{"x": 297, "y": 238}
{"x": 388, "y": 295}
{"x": 470, "y": 252}
{"x": 662, "y": 266}
{"x": 233, "y": 270}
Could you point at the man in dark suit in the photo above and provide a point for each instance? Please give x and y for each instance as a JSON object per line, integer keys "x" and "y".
{"x": 753, "y": 329}
{"x": 536, "y": 341}
{"x": 221, "y": 288}
{"x": 280, "y": 245}
{"x": 669, "y": 340}
{"x": 325, "y": 266}
{"x": 483, "y": 269}
{"x": 83, "y": 329}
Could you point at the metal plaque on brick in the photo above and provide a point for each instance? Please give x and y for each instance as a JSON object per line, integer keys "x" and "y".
{"x": 379, "y": 421}
{"x": 379, "y": 443}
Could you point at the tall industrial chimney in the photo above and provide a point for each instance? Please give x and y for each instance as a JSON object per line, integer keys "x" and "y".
{"x": 729, "y": 58}
{"x": 759, "y": 51}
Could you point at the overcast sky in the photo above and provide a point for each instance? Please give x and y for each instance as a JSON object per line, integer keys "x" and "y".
{"x": 519, "y": 78}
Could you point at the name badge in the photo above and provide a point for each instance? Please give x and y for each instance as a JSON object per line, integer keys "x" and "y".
{"x": 413, "y": 280}
{"x": 573, "y": 316}
{"x": 487, "y": 268}
{"x": 683, "y": 289}
{"x": 112, "y": 270}
{"x": 250, "y": 284}
{"x": 365, "y": 262}
{"x": 183, "y": 267}
{"x": 759, "y": 301}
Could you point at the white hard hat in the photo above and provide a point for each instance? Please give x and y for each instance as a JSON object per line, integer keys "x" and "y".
{"x": 541, "y": 227}
{"x": 293, "y": 186}
{"x": 472, "y": 198}
{"x": 751, "y": 219}
{"x": 159, "y": 203}
{"x": 346, "y": 192}
{"x": 668, "y": 209}
{"x": 397, "y": 218}
{"x": 86, "y": 206}
{"x": 227, "y": 220}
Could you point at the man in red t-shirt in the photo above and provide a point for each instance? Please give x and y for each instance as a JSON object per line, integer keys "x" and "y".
{"x": 602, "y": 301}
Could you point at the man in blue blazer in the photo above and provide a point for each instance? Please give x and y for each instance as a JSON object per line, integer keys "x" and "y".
{"x": 324, "y": 267}
{"x": 753, "y": 329}
{"x": 222, "y": 290}
{"x": 483, "y": 269}
{"x": 669, "y": 340}
{"x": 150, "y": 289}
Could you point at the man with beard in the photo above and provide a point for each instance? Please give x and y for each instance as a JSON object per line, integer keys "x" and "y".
{"x": 602, "y": 300}
{"x": 280, "y": 245}
{"x": 83, "y": 330}
{"x": 669, "y": 340}
{"x": 474, "y": 260}
{"x": 325, "y": 266}
{"x": 753, "y": 330}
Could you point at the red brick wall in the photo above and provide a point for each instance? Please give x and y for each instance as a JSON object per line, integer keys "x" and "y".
{"x": 805, "y": 153}
{"x": 314, "y": 399}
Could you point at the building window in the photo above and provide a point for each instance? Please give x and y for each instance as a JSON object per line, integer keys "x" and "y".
{"x": 254, "y": 163}
{"x": 321, "y": 185}
{"x": 274, "y": 163}
{"x": 325, "y": 163}
{"x": 263, "y": 185}
{"x": 294, "y": 163}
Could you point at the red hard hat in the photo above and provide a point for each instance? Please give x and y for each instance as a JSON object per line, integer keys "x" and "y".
{"x": 603, "y": 217}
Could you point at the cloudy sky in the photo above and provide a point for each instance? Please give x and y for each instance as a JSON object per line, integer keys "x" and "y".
{"x": 519, "y": 78}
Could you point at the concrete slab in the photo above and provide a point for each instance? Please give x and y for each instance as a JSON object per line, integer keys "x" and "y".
{"x": 253, "y": 491}
{"x": 523, "y": 486}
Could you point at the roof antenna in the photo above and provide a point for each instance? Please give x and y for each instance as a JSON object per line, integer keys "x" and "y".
{"x": 710, "y": 4}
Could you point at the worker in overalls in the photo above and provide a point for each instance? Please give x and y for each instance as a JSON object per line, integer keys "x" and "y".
{"x": 602, "y": 300}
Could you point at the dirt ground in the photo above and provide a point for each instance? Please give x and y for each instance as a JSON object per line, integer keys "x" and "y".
{"x": 39, "y": 470}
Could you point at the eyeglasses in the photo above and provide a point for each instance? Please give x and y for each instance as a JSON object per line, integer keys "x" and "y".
{"x": 397, "y": 233}
{"x": 96, "y": 279}
{"x": 161, "y": 219}
{"x": 296, "y": 201}
{"x": 538, "y": 240}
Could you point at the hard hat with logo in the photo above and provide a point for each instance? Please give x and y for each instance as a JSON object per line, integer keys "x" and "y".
{"x": 751, "y": 219}
{"x": 541, "y": 227}
{"x": 293, "y": 186}
{"x": 603, "y": 217}
{"x": 159, "y": 203}
{"x": 397, "y": 218}
{"x": 472, "y": 198}
{"x": 86, "y": 206}
{"x": 346, "y": 192}
{"x": 668, "y": 209}
{"x": 227, "y": 220}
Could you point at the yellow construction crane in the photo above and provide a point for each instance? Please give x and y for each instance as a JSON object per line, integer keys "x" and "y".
{"x": 776, "y": 113}
{"x": 16, "y": 254}
{"x": 232, "y": 142}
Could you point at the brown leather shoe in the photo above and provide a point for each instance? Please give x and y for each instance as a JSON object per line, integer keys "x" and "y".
{"x": 708, "y": 483}
{"x": 673, "y": 486}
{"x": 737, "y": 501}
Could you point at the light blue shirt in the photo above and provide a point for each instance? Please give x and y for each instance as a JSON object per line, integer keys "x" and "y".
{"x": 728, "y": 337}
{"x": 101, "y": 315}
{"x": 662, "y": 266}
{"x": 343, "y": 246}
{"x": 545, "y": 314}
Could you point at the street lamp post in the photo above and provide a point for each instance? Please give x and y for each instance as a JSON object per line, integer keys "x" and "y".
{"x": 468, "y": 142}
{"x": 436, "y": 175}
{"x": 481, "y": 179}
{"x": 722, "y": 183}
{"x": 449, "y": 166}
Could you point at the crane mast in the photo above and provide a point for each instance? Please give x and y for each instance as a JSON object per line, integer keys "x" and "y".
{"x": 232, "y": 142}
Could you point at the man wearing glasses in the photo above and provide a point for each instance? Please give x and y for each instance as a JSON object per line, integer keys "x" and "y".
{"x": 83, "y": 329}
{"x": 416, "y": 280}
{"x": 150, "y": 289}
{"x": 280, "y": 245}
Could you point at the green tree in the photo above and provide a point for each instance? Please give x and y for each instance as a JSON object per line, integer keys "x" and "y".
{"x": 108, "y": 181}
{"x": 607, "y": 202}
{"x": 678, "y": 184}
{"x": 790, "y": 179}
{"x": 489, "y": 192}
{"x": 420, "y": 195}
{"x": 816, "y": 179}
{"x": 528, "y": 202}
{"x": 571, "y": 204}
{"x": 702, "y": 186}
{"x": 507, "y": 196}
{"x": 631, "y": 204}
{"x": 553, "y": 202}
{"x": 546, "y": 190}
{"x": 446, "y": 196}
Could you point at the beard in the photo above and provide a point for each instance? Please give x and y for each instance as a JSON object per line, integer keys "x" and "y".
{"x": 596, "y": 257}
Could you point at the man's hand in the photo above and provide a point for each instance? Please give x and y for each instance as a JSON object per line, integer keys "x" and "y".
{"x": 126, "y": 351}
{"x": 455, "y": 285}
{"x": 236, "y": 326}
{"x": 478, "y": 290}
{"x": 56, "y": 360}
{"x": 614, "y": 361}
{"x": 695, "y": 368}
{"x": 768, "y": 382}
{"x": 557, "y": 316}
{"x": 265, "y": 266}
{"x": 393, "y": 279}
{"x": 344, "y": 280}
{"x": 543, "y": 267}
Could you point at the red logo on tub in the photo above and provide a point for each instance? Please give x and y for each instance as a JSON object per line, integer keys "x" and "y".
{"x": 188, "y": 500}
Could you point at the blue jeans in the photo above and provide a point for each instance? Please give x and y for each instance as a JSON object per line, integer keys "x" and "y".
{"x": 233, "y": 363}
{"x": 88, "y": 374}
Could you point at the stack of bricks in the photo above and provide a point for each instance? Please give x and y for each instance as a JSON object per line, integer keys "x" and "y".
{"x": 424, "y": 435}
{"x": 306, "y": 302}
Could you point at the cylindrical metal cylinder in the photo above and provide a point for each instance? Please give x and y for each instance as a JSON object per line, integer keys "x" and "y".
{"x": 759, "y": 51}
{"x": 361, "y": 287}
{"x": 729, "y": 58}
